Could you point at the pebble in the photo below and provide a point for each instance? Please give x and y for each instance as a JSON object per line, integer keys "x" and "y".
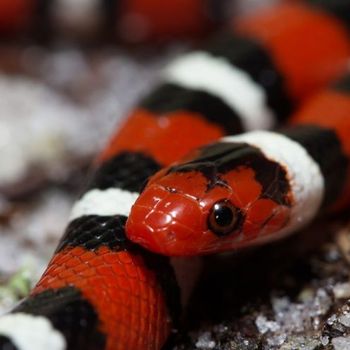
{"x": 342, "y": 290}
{"x": 341, "y": 343}
{"x": 264, "y": 325}
{"x": 205, "y": 341}
{"x": 345, "y": 319}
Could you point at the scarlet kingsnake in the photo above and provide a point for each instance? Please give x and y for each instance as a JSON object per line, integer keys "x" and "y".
{"x": 102, "y": 291}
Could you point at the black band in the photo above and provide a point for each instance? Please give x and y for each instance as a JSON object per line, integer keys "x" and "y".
{"x": 70, "y": 314}
{"x": 169, "y": 98}
{"x": 325, "y": 148}
{"x": 6, "y": 344}
{"x": 127, "y": 170}
{"x": 246, "y": 54}
{"x": 338, "y": 8}
{"x": 93, "y": 231}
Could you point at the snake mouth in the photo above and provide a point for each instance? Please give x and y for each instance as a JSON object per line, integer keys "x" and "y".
{"x": 158, "y": 232}
{"x": 166, "y": 222}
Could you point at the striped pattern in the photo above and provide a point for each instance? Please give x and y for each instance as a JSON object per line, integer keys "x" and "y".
{"x": 303, "y": 172}
{"x": 97, "y": 226}
{"x": 218, "y": 77}
{"x": 278, "y": 182}
{"x": 127, "y": 171}
{"x": 237, "y": 74}
{"x": 248, "y": 55}
{"x": 235, "y": 84}
{"x": 92, "y": 232}
{"x": 325, "y": 148}
{"x": 170, "y": 97}
{"x": 98, "y": 220}
{"x": 73, "y": 319}
{"x": 110, "y": 202}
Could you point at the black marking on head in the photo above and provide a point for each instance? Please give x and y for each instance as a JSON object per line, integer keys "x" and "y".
{"x": 93, "y": 231}
{"x": 70, "y": 314}
{"x": 168, "y": 98}
{"x": 337, "y": 8}
{"x": 6, "y": 343}
{"x": 127, "y": 170}
{"x": 343, "y": 85}
{"x": 248, "y": 55}
{"x": 325, "y": 148}
{"x": 222, "y": 157}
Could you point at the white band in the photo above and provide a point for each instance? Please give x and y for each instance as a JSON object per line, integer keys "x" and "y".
{"x": 220, "y": 78}
{"x": 112, "y": 201}
{"x": 28, "y": 332}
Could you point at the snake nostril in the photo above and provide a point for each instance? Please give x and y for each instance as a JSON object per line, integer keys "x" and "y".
{"x": 171, "y": 189}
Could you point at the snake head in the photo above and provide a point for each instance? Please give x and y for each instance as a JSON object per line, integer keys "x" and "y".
{"x": 219, "y": 198}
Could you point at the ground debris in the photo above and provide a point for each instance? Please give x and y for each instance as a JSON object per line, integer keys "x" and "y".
{"x": 298, "y": 303}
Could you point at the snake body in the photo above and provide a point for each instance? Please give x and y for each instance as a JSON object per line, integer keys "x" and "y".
{"x": 100, "y": 290}
{"x": 250, "y": 188}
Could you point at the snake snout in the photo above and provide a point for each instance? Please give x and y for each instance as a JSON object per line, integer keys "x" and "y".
{"x": 164, "y": 222}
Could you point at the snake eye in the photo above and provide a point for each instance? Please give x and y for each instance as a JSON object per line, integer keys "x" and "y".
{"x": 224, "y": 218}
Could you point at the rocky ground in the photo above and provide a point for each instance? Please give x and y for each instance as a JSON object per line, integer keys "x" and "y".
{"x": 289, "y": 295}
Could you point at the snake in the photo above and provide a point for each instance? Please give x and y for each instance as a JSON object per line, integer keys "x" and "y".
{"x": 102, "y": 289}
{"x": 250, "y": 188}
